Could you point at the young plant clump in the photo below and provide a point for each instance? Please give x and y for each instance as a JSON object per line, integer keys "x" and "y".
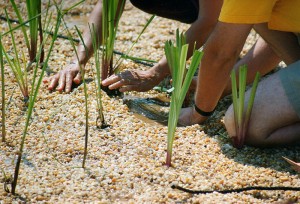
{"x": 111, "y": 14}
{"x": 242, "y": 117}
{"x": 182, "y": 78}
{"x": 35, "y": 28}
{"x": 98, "y": 78}
{"x": 17, "y": 65}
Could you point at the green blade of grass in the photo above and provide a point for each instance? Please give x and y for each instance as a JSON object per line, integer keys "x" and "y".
{"x": 250, "y": 104}
{"x": 32, "y": 11}
{"x": 84, "y": 89}
{"x": 98, "y": 76}
{"x": 138, "y": 58}
{"x": 15, "y": 65}
{"x": 234, "y": 100}
{"x": 182, "y": 66}
{"x": 242, "y": 89}
{"x": 196, "y": 58}
{"x": 3, "y": 122}
{"x": 17, "y": 12}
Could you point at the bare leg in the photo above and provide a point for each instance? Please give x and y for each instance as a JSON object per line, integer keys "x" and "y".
{"x": 285, "y": 44}
{"x": 273, "y": 121}
{"x": 260, "y": 58}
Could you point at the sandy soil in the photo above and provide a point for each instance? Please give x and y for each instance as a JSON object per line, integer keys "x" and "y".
{"x": 125, "y": 162}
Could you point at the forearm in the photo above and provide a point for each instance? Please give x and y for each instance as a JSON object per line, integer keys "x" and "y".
{"x": 220, "y": 54}
{"x": 201, "y": 29}
{"x": 212, "y": 82}
{"x": 85, "y": 50}
{"x": 260, "y": 58}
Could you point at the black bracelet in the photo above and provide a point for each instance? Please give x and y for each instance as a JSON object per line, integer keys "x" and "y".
{"x": 203, "y": 113}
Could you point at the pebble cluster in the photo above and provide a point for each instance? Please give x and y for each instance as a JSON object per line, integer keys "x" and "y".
{"x": 126, "y": 161}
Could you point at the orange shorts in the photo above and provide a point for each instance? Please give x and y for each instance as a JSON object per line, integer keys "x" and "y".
{"x": 283, "y": 15}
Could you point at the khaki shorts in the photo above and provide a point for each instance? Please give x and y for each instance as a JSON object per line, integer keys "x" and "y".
{"x": 280, "y": 15}
{"x": 290, "y": 79}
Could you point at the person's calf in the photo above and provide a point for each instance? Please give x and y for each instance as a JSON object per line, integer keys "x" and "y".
{"x": 260, "y": 137}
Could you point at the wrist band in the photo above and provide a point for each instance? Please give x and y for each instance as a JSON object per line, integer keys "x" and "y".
{"x": 203, "y": 113}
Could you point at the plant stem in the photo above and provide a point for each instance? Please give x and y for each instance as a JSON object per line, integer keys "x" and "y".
{"x": 85, "y": 92}
{"x": 3, "y": 92}
{"x": 98, "y": 76}
{"x": 176, "y": 57}
{"x": 41, "y": 30}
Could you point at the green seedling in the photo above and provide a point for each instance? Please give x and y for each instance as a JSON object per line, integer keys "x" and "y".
{"x": 111, "y": 14}
{"x": 98, "y": 77}
{"x": 242, "y": 117}
{"x": 17, "y": 65}
{"x": 35, "y": 27}
{"x": 36, "y": 83}
{"x": 34, "y": 9}
{"x": 84, "y": 89}
{"x": 182, "y": 78}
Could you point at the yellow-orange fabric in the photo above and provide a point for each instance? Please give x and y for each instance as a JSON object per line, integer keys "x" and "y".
{"x": 283, "y": 15}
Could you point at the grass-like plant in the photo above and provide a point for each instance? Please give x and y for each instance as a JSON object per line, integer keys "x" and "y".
{"x": 36, "y": 82}
{"x": 182, "y": 78}
{"x": 3, "y": 127}
{"x": 84, "y": 90}
{"x": 111, "y": 13}
{"x": 98, "y": 77}
{"x": 17, "y": 65}
{"x": 35, "y": 27}
{"x": 33, "y": 9}
{"x": 242, "y": 117}
{"x": 85, "y": 101}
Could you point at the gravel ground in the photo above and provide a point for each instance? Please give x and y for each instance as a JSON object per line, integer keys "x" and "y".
{"x": 125, "y": 162}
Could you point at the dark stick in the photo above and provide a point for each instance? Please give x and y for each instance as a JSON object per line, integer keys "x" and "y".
{"x": 238, "y": 190}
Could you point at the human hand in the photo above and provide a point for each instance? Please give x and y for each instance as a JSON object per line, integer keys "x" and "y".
{"x": 189, "y": 116}
{"x": 133, "y": 80}
{"x": 64, "y": 79}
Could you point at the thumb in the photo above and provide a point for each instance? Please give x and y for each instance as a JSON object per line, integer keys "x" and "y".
{"x": 77, "y": 78}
